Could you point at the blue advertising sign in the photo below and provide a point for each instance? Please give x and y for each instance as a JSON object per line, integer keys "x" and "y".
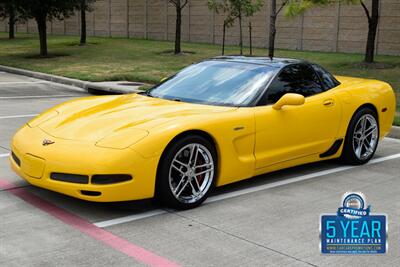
{"x": 353, "y": 229}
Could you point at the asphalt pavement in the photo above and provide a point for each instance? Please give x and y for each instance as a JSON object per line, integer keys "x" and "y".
{"x": 268, "y": 220}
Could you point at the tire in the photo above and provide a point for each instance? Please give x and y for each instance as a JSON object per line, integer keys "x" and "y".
{"x": 361, "y": 139}
{"x": 177, "y": 184}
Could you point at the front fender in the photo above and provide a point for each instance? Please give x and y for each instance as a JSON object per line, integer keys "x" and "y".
{"x": 233, "y": 133}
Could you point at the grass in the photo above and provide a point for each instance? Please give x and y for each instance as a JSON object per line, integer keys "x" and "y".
{"x": 106, "y": 59}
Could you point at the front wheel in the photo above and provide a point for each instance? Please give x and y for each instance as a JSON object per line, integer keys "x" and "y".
{"x": 362, "y": 137}
{"x": 186, "y": 173}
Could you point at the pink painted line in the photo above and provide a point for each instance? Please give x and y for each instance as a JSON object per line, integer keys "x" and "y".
{"x": 138, "y": 253}
{"x": 6, "y": 185}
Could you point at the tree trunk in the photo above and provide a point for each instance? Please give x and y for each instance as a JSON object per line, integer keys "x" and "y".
{"x": 240, "y": 34}
{"x": 250, "y": 41}
{"x": 11, "y": 22}
{"x": 178, "y": 27}
{"x": 223, "y": 38}
{"x": 272, "y": 30}
{"x": 41, "y": 23}
{"x": 372, "y": 29}
{"x": 83, "y": 24}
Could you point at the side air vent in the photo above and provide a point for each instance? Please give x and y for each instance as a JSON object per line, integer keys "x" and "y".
{"x": 110, "y": 178}
{"x": 333, "y": 149}
{"x": 16, "y": 159}
{"x": 90, "y": 193}
{"x": 70, "y": 178}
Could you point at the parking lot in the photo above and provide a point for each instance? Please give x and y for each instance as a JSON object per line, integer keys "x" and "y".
{"x": 268, "y": 220}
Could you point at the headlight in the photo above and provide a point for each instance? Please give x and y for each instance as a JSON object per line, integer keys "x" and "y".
{"x": 122, "y": 139}
{"x": 42, "y": 118}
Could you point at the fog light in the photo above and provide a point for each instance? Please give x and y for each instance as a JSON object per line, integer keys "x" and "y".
{"x": 70, "y": 178}
{"x": 110, "y": 178}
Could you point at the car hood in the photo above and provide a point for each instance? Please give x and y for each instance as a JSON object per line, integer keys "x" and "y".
{"x": 93, "y": 118}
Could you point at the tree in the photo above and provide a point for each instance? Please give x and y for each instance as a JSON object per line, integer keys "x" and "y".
{"x": 228, "y": 20}
{"x": 235, "y": 9}
{"x": 84, "y": 6}
{"x": 10, "y": 9}
{"x": 272, "y": 25}
{"x": 296, "y": 7}
{"x": 179, "y": 6}
{"x": 46, "y": 10}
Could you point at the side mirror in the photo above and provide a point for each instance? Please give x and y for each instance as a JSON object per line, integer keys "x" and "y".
{"x": 289, "y": 99}
{"x": 163, "y": 79}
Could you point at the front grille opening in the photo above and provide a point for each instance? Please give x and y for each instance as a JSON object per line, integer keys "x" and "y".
{"x": 110, "y": 178}
{"x": 70, "y": 178}
{"x": 90, "y": 193}
{"x": 16, "y": 159}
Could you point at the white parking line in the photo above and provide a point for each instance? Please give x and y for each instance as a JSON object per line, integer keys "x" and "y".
{"x": 130, "y": 218}
{"x": 295, "y": 180}
{"x": 4, "y": 155}
{"x": 18, "y": 116}
{"x": 392, "y": 139}
{"x": 36, "y": 96}
{"x": 245, "y": 191}
{"x": 22, "y": 82}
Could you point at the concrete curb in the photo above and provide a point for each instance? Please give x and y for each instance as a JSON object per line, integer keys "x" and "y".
{"x": 119, "y": 87}
{"x": 394, "y": 132}
{"x": 46, "y": 77}
{"x": 83, "y": 85}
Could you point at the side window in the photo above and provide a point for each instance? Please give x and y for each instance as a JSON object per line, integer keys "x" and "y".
{"x": 327, "y": 79}
{"x": 298, "y": 78}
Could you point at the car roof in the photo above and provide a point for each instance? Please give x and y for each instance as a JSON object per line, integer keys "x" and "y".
{"x": 266, "y": 61}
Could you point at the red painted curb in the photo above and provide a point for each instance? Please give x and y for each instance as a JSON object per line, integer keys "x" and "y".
{"x": 136, "y": 252}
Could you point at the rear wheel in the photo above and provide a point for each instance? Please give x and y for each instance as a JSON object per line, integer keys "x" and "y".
{"x": 186, "y": 173}
{"x": 362, "y": 137}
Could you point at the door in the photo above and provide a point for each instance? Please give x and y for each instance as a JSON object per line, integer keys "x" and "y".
{"x": 295, "y": 131}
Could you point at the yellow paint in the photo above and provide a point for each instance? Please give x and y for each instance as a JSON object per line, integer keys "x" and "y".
{"x": 127, "y": 135}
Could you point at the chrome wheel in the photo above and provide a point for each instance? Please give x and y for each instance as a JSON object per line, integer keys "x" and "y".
{"x": 365, "y": 137}
{"x": 191, "y": 173}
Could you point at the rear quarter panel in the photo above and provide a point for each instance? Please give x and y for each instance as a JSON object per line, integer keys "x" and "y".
{"x": 355, "y": 92}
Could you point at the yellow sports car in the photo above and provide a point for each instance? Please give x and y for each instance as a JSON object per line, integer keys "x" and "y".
{"x": 213, "y": 123}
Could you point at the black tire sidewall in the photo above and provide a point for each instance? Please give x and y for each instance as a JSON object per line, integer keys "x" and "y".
{"x": 164, "y": 195}
{"x": 348, "y": 154}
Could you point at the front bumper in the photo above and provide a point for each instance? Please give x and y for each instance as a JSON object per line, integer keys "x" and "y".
{"x": 37, "y": 162}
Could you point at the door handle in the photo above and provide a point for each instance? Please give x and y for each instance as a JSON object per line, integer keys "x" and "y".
{"x": 329, "y": 102}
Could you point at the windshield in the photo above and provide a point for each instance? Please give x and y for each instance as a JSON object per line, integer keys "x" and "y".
{"x": 216, "y": 82}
